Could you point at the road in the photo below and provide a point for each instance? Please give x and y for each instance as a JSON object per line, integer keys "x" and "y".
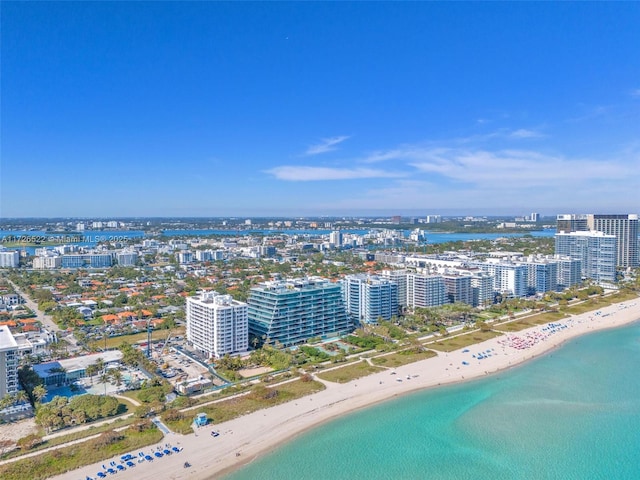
{"x": 45, "y": 320}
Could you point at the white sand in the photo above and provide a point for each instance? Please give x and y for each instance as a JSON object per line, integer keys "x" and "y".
{"x": 261, "y": 431}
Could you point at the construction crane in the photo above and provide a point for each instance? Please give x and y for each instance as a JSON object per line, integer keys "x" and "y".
{"x": 166, "y": 341}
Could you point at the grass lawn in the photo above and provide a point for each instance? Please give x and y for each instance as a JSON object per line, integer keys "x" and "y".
{"x": 73, "y": 436}
{"x": 622, "y": 297}
{"x": 401, "y": 358}
{"x": 597, "y": 303}
{"x": 350, "y": 372}
{"x": 532, "y": 321}
{"x": 114, "y": 342}
{"x": 234, "y": 407}
{"x": 588, "y": 306}
{"x": 69, "y": 458}
{"x": 461, "y": 341}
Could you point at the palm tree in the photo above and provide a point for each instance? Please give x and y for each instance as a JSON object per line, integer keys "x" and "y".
{"x": 116, "y": 376}
{"x": 39, "y": 392}
{"x": 91, "y": 370}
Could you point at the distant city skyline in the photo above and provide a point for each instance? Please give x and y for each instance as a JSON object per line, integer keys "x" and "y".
{"x": 209, "y": 109}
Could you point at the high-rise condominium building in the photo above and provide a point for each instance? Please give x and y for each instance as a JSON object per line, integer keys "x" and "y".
{"x": 595, "y": 250}
{"x": 482, "y": 289}
{"x": 568, "y": 223}
{"x": 293, "y": 311}
{"x": 625, "y": 228}
{"x": 399, "y": 277}
{"x": 369, "y": 298}
{"x": 542, "y": 276}
{"x": 8, "y": 362}
{"x": 10, "y": 259}
{"x": 425, "y": 290}
{"x": 217, "y": 324}
{"x": 335, "y": 238}
{"x": 569, "y": 272}
{"x": 458, "y": 288}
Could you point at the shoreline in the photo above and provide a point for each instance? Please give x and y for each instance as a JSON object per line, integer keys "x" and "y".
{"x": 261, "y": 432}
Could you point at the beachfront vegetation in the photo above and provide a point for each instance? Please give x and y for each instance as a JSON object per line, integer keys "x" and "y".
{"x": 460, "y": 341}
{"x": 349, "y": 372}
{"x": 529, "y": 321}
{"x": 63, "y": 412}
{"x": 259, "y": 397}
{"x": 70, "y": 437}
{"x": 403, "y": 357}
{"x": 106, "y": 445}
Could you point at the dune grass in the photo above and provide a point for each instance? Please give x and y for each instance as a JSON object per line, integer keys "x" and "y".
{"x": 350, "y": 372}
{"x": 461, "y": 341}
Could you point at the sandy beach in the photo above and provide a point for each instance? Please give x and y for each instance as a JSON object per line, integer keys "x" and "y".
{"x": 245, "y": 438}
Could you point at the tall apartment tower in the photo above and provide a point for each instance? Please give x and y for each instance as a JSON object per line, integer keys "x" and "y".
{"x": 625, "y": 228}
{"x": 400, "y": 279}
{"x": 293, "y": 311}
{"x": 369, "y": 298}
{"x": 425, "y": 290}
{"x": 458, "y": 288}
{"x": 335, "y": 238}
{"x": 217, "y": 324}
{"x": 568, "y": 223}
{"x": 595, "y": 250}
{"x": 8, "y": 362}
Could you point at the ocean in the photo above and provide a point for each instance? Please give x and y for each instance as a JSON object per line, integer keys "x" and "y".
{"x": 572, "y": 414}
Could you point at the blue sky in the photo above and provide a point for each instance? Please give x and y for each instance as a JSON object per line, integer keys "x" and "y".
{"x": 266, "y": 109}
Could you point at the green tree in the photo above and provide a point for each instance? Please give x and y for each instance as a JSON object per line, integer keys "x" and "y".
{"x": 39, "y": 392}
{"x": 91, "y": 370}
{"x": 28, "y": 380}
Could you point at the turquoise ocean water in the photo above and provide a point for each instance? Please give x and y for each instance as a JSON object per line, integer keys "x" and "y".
{"x": 573, "y": 414}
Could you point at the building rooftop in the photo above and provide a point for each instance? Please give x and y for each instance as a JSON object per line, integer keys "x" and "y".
{"x": 77, "y": 363}
{"x": 7, "y": 342}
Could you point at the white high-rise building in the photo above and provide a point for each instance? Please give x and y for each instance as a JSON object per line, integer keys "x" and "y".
{"x": 625, "y": 228}
{"x": 9, "y": 258}
{"x": 369, "y": 298}
{"x": 458, "y": 288}
{"x": 399, "y": 277}
{"x": 335, "y": 238}
{"x": 8, "y": 362}
{"x": 127, "y": 258}
{"x": 482, "y": 289}
{"x": 569, "y": 272}
{"x": 595, "y": 250}
{"x": 509, "y": 279}
{"x": 47, "y": 262}
{"x": 425, "y": 290}
{"x": 542, "y": 275}
{"x": 217, "y": 324}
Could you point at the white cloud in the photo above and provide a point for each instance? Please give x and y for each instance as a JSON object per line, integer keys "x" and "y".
{"x": 326, "y": 145}
{"x": 522, "y": 167}
{"x": 524, "y": 133}
{"x": 305, "y": 173}
{"x": 635, "y": 93}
